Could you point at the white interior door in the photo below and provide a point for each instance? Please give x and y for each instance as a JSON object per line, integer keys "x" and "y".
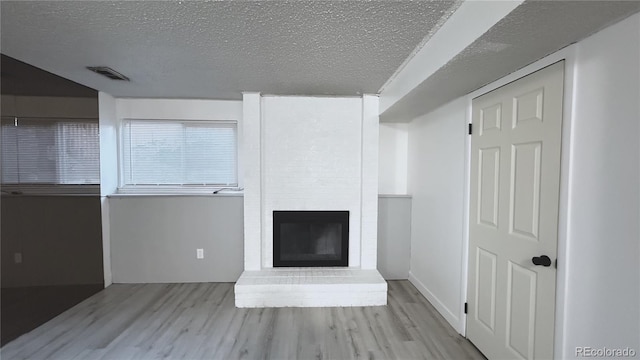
{"x": 515, "y": 181}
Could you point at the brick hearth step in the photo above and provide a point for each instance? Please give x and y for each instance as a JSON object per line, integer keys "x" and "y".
{"x": 310, "y": 287}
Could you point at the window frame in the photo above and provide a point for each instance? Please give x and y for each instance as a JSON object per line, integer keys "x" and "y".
{"x": 174, "y": 189}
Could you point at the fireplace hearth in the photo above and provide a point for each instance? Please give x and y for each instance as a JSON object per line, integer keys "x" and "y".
{"x": 310, "y": 238}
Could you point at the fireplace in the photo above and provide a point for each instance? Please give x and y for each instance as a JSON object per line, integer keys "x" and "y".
{"x": 296, "y": 258}
{"x": 310, "y": 238}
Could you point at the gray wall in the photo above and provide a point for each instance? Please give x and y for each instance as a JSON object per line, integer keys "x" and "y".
{"x": 394, "y": 236}
{"x": 154, "y": 238}
{"x": 58, "y": 237}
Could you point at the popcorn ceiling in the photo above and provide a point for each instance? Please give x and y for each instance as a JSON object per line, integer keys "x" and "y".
{"x": 218, "y": 49}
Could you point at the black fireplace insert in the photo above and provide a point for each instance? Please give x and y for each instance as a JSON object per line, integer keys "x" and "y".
{"x": 310, "y": 238}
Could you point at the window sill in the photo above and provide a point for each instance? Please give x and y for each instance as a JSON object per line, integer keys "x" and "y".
{"x": 394, "y": 196}
{"x": 50, "y": 190}
{"x": 160, "y": 194}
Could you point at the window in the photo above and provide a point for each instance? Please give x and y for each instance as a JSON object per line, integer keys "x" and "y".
{"x": 173, "y": 153}
{"x": 39, "y": 151}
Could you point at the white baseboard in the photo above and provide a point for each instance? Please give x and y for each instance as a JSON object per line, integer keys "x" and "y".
{"x": 455, "y": 321}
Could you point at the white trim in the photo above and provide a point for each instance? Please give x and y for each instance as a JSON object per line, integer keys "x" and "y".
{"x": 466, "y": 198}
{"x": 175, "y": 189}
{"x": 563, "y": 54}
{"x": 222, "y": 194}
{"x": 567, "y": 54}
{"x": 566, "y": 174}
{"x": 183, "y": 121}
{"x": 455, "y": 321}
{"x": 120, "y": 153}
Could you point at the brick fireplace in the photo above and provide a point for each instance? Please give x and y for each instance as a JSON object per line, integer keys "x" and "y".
{"x": 312, "y": 155}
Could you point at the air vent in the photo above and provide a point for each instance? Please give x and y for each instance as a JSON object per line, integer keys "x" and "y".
{"x": 108, "y": 72}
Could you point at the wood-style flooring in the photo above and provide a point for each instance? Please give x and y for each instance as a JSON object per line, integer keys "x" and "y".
{"x": 25, "y": 308}
{"x": 200, "y": 321}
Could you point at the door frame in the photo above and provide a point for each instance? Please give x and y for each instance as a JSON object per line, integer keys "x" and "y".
{"x": 567, "y": 54}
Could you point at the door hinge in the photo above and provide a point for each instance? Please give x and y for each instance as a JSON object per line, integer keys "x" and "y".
{"x": 470, "y": 129}
{"x": 465, "y": 308}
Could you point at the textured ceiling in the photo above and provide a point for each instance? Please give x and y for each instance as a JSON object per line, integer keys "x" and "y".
{"x": 531, "y": 31}
{"x": 182, "y": 49}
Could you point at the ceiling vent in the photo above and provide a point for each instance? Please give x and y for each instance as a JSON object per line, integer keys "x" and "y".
{"x": 108, "y": 72}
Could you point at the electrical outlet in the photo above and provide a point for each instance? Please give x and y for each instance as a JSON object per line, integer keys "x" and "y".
{"x": 17, "y": 258}
{"x": 199, "y": 253}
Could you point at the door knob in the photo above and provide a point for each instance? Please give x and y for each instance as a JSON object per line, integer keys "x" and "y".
{"x": 542, "y": 260}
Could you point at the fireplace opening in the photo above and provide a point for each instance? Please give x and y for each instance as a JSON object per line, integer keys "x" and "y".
{"x": 310, "y": 238}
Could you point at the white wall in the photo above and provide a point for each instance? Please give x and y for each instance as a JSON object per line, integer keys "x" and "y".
{"x": 188, "y": 109}
{"x": 599, "y": 246}
{"x": 108, "y": 172}
{"x": 603, "y": 248}
{"x": 392, "y": 171}
{"x": 436, "y": 183}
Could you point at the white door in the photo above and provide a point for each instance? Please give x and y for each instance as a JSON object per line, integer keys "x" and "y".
{"x": 515, "y": 181}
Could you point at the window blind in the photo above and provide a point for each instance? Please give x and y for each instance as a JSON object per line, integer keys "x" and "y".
{"x": 174, "y": 152}
{"x": 50, "y": 151}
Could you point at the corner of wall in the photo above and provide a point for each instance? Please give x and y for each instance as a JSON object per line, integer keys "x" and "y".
{"x": 456, "y": 322}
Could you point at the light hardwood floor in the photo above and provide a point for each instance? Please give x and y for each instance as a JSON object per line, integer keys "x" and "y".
{"x": 200, "y": 321}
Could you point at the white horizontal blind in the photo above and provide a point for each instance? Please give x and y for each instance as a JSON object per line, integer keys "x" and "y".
{"x": 174, "y": 152}
{"x": 50, "y": 151}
